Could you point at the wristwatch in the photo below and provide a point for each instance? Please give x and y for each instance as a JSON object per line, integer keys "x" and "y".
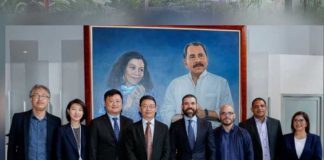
{"x": 206, "y": 113}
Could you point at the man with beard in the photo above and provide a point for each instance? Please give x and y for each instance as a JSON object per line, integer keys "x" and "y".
{"x": 232, "y": 142}
{"x": 191, "y": 137}
{"x": 211, "y": 90}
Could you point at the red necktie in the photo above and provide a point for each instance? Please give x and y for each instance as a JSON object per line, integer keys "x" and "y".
{"x": 148, "y": 140}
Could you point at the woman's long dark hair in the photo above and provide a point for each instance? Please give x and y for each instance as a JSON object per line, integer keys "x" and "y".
{"x": 117, "y": 72}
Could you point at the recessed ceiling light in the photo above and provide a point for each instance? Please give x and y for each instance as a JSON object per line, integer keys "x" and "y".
{"x": 25, "y": 52}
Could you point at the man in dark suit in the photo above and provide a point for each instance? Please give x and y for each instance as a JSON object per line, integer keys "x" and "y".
{"x": 191, "y": 137}
{"x": 32, "y": 133}
{"x": 107, "y": 132}
{"x": 148, "y": 139}
{"x": 265, "y": 132}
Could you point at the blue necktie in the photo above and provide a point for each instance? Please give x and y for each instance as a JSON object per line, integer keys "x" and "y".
{"x": 191, "y": 135}
{"x": 116, "y": 127}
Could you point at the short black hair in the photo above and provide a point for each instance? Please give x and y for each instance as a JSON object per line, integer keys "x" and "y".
{"x": 112, "y": 92}
{"x": 82, "y": 104}
{"x": 258, "y": 99}
{"x": 145, "y": 97}
{"x": 305, "y": 116}
{"x": 193, "y": 44}
{"x": 187, "y": 96}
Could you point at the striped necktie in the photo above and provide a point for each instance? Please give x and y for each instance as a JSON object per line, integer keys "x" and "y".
{"x": 116, "y": 128}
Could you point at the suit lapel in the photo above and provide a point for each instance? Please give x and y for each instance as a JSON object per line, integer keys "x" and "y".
{"x": 255, "y": 130}
{"x": 122, "y": 124}
{"x": 109, "y": 127}
{"x": 156, "y": 136}
{"x": 157, "y": 131}
{"x": 184, "y": 131}
{"x": 26, "y": 130}
{"x": 307, "y": 145}
{"x": 70, "y": 137}
{"x": 83, "y": 141}
{"x": 270, "y": 132}
{"x": 49, "y": 132}
{"x": 292, "y": 145}
{"x": 200, "y": 130}
{"x": 140, "y": 135}
{"x": 140, "y": 132}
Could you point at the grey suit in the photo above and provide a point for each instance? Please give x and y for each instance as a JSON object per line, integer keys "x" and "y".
{"x": 135, "y": 142}
{"x": 274, "y": 137}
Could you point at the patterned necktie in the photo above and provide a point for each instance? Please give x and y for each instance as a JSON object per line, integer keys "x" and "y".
{"x": 148, "y": 140}
{"x": 191, "y": 135}
{"x": 116, "y": 127}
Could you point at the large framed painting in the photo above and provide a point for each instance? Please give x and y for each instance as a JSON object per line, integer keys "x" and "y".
{"x": 154, "y": 60}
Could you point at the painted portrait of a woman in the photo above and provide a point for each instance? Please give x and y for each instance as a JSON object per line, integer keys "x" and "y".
{"x": 130, "y": 75}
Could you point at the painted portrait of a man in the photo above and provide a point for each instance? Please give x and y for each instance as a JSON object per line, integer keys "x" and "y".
{"x": 166, "y": 63}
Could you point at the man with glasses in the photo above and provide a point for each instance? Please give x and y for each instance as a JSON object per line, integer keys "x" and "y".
{"x": 211, "y": 90}
{"x": 32, "y": 133}
{"x": 191, "y": 137}
{"x": 107, "y": 132}
{"x": 148, "y": 139}
{"x": 265, "y": 131}
{"x": 232, "y": 142}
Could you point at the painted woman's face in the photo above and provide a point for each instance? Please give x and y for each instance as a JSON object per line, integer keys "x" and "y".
{"x": 134, "y": 72}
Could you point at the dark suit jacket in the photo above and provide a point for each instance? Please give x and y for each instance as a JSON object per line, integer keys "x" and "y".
{"x": 102, "y": 141}
{"x": 204, "y": 146}
{"x": 66, "y": 145}
{"x": 312, "y": 149}
{"x": 19, "y": 135}
{"x": 136, "y": 147}
{"x": 274, "y": 136}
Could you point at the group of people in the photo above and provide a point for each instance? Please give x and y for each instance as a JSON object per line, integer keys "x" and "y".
{"x": 197, "y": 99}
{"x": 38, "y": 135}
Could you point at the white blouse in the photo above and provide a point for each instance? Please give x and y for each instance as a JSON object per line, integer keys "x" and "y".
{"x": 299, "y": 145}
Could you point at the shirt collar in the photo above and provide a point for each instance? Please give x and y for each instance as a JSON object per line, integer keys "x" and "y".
{"x": 34, "y": 117}
{"x": 232, "y": 129}
{"x": 111, "y": 116}
{"x": 144, "y": 121}
{"x": 201, "y": 76}
{"x": 194, "y": 118}
{"x": 258, "y": 121}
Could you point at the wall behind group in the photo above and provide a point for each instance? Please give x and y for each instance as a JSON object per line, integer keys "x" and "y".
{"x": 279, "y": 57}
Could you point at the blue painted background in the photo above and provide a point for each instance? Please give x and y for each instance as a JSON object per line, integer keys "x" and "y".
{"x": 163, "y": 49}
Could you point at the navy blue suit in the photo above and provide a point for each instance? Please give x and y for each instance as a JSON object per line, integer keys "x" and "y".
{"x": 204, "y": 147}
{"x": 19, "y": 135}
{"x": 66, "y": 145}
{"x": 312, "y": 149}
